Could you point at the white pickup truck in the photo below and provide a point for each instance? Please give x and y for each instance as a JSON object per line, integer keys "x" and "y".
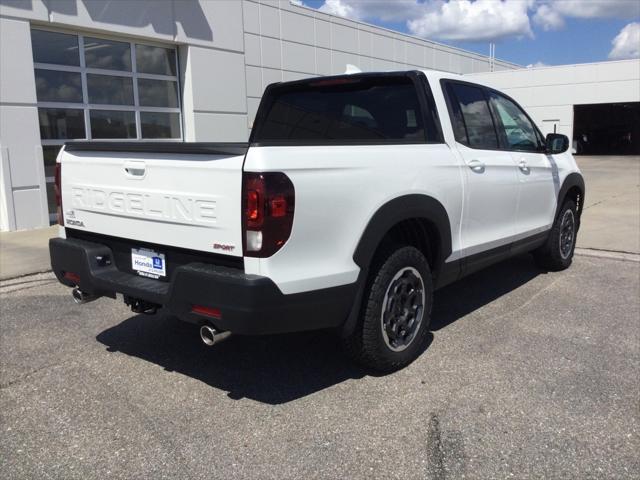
{"x": 356, "y": 197}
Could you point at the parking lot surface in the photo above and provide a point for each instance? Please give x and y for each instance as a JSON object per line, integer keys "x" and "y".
{"x": 528, "y": 375}
{"x": 611, "y": 216}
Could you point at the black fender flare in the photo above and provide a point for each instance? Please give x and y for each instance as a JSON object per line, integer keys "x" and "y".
{"x": 388, "y": 215}
{"x": 574, "y": 179}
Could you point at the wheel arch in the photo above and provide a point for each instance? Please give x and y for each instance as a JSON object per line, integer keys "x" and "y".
{"x": 573, "y": 188}
{"x": 404, "y": 215}
{"x": 418, "y": 207}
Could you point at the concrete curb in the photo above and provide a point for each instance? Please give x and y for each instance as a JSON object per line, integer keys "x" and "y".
{"x": 28, "y": 274}
{"x": 611, "y": 254}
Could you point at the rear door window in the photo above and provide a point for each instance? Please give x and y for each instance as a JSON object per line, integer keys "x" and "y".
{"x": 471, "y": 118}
{"x": 343, "y": 110}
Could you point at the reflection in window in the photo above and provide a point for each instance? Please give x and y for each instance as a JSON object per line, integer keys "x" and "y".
{"x": 157, "y": 60}
{"x": 61, "y": 123}
{"x": 518, "y": 132}
{"x": 107, "y": 89}
{"x": 359, "y": 116}
{"x": 68, "y": 86}
{"x": 157, "y": 93}
{"x": 50, "y": 153}
{"x": 160, "y": 125}
{"x": 477, "y": 117}
{"x": 112, "y": 124}
{"x": 107, "y": 54}
{"x": 57, "y": 86}
{"x": 54, "y": 47}
{"x": 51, "y": 201}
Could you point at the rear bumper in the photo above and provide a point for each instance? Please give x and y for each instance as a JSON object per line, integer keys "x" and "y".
{"x": 248, "y": 304}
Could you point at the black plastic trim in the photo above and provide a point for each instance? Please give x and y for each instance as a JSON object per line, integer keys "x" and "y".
{"x": 198, "y": 148}
{"x": 175, "y": 256}
{"x": 397, "y": 210}
{"x": 249, "y": 304}
{"x": 574, "y": 179}
{"x": 465, "y": 266}
{"x": 481, "y": 260}
{"x": 391, "y": 213}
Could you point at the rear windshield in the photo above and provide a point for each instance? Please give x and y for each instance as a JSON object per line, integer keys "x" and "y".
{"x": 367, "y": 110}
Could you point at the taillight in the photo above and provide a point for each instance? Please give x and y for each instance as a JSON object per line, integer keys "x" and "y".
{"x": 268, "y": 205}
{"x": 58, "y": 193}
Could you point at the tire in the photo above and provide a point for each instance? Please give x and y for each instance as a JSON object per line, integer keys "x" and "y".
{"x": 557, "y": 253}
{"x": 385, "y": 339}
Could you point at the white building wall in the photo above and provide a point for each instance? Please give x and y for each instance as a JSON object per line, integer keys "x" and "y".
{"x": 287, "y": 42}
{"x": 549, "y": 93}
{"x": 24, "y": 201}
{"x": 228, "y": 51}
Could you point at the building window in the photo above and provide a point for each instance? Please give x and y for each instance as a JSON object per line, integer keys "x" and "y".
{"x": 94, "y": 88}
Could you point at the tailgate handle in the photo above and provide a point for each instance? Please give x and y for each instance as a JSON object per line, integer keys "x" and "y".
{"x": 135, "y": 169}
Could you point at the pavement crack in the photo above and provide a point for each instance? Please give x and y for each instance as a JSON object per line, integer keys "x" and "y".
{"x": 75, "y": 353}
{"x": 604, "y": 200}
{"x": 435, "y": 452}
{"x": 26, "y": 375}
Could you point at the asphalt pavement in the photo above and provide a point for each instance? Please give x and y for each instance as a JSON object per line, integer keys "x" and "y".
{"x": 528, "y": 375}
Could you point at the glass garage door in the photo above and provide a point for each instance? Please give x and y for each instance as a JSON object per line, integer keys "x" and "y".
{"x": 96, "y": 88}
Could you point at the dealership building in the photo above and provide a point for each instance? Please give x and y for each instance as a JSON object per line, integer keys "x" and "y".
{"x": 182, "y": 70}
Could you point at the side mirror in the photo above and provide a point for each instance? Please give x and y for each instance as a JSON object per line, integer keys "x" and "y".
{"x": 556, "y": 143}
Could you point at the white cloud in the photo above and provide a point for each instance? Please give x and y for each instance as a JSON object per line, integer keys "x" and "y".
{"x": 470, "y": 20}
{"x": 479, "y": 20}
{"x": 551, "y": 14}
{"x": 537, "y": 65}
{"x": 594, "y": 8}
{"x": 340, "y": 8}
{"x": 393, "y": 10}
{"x": 473, "y": 21}
{"x": 548, "y": 18}
{"x": 627, "y": 43}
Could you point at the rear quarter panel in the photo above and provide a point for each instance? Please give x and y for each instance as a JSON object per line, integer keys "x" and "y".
{"x": 338, "y": 189}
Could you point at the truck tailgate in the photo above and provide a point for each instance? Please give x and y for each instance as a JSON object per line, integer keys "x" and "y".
{"x": 179, "y": 194}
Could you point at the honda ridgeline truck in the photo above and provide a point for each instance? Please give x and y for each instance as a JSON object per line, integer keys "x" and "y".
{"x": 356, "y": 197}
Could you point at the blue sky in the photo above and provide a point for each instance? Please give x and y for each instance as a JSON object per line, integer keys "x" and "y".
{"x": 527, "y": 32}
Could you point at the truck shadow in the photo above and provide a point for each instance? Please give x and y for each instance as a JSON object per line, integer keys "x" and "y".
{"x": 281, "y": 368}
{"x": 471, "y": 293}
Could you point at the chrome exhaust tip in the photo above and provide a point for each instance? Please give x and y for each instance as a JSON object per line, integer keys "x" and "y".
{"x": 81, "y": 297}
{"x": 210, "y": 336}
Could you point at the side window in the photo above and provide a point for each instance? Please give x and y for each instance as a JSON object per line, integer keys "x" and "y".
{"x": 473, "y": 117}
{"x": 517, "y": 131}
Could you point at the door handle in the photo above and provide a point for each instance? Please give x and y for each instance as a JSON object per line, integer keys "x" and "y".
{"x": 476, "y": 165}
{"x": 524, "y": 168}
{"x": 135, "y": 169}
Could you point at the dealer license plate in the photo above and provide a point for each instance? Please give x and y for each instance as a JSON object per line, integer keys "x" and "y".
{"x": 148, "y": 263}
